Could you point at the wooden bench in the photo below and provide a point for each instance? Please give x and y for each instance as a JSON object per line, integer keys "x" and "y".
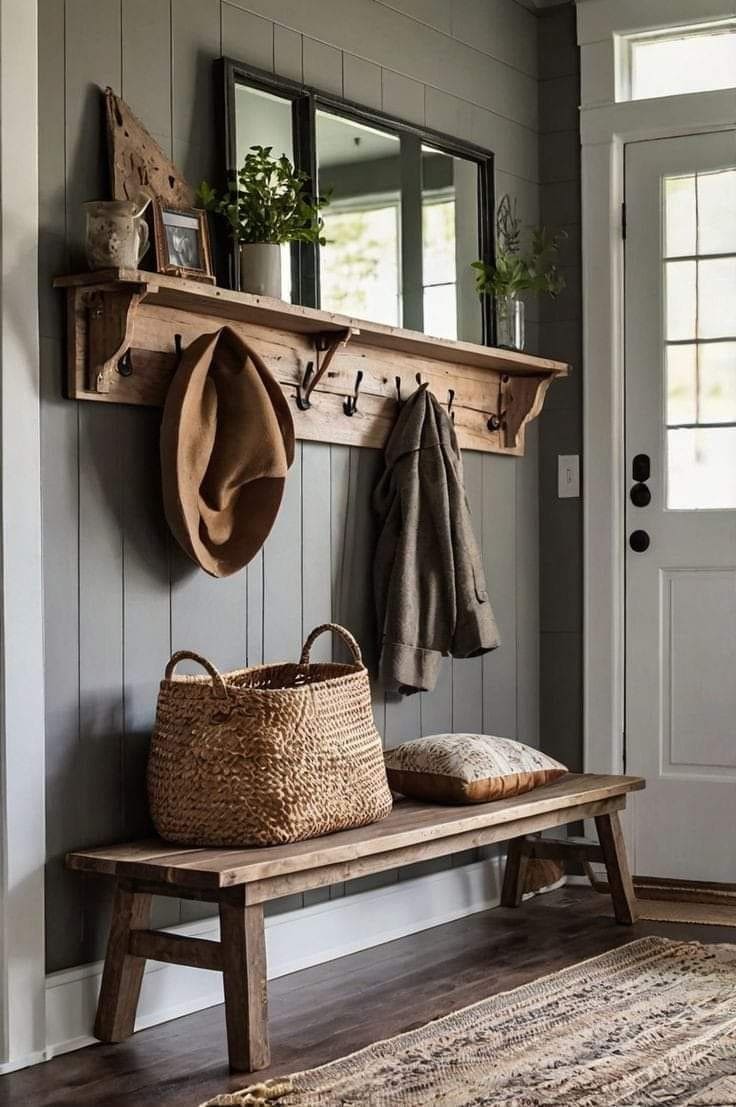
{"x": 241, "y": 881}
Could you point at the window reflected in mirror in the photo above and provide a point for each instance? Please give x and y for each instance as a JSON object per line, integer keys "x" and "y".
{"x": 360, "y": 266}
{"x": 401, "y": 229}
{"x": 262, "y": 119}
{"x": 450, "y": 242}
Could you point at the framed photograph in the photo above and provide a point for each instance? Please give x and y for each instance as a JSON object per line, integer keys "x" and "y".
{"x": 182, "y": 242}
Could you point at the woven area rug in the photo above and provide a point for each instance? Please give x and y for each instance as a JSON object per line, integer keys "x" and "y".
{"x": 650, "y": 1024}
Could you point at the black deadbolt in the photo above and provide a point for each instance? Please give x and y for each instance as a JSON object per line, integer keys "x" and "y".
{"x": 641, "y": 468}
{"x": 640, "y": 495}
{"x": 639, "y": 541}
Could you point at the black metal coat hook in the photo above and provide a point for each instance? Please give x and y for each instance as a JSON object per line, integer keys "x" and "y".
{"x": 125, "y": 365}
{"x": 301, "y": 389}
{"x": 398, "y": 390}
{"x": 350, "y": 403}
{"x": 450, "y": 401}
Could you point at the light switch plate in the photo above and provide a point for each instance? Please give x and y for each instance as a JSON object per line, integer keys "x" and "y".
{"x": 568, "y": 476}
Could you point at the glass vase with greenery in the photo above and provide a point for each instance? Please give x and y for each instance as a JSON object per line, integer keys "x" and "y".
{"x": 266, "y": 204}
{"x": 517, "y": 270}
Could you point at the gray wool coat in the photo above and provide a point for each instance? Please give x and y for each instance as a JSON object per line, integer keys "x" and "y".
{"x": 430, "y": 588}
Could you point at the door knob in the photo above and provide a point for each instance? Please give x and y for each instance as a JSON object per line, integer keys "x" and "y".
{"x": 639, "y": 541}
{"x": 640, "y": 495}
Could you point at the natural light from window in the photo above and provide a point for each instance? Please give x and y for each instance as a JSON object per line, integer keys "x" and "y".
{"x": 683, "y": 61}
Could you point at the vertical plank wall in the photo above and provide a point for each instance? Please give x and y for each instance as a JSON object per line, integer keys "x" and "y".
{"x": 119, "y": 595}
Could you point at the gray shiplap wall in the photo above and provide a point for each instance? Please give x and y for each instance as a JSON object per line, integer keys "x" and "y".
{"x": 119, "y": 595}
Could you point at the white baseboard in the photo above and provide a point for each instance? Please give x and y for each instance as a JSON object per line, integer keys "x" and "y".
{"x": 294, "y": 940}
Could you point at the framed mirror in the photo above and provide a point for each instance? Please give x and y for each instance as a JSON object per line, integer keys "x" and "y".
{"x": 409, "y": 209}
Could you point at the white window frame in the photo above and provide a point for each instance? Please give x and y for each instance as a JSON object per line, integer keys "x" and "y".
{"x": 606, "y": 127}
{"x": 623, "y": 48}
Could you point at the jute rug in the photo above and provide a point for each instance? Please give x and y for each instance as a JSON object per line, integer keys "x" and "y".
{"x": 650, "y": 1024}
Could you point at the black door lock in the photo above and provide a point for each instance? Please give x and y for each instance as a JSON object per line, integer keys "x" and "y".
{"x": 640, "y": 495}
{"x": 641, "y": 468}
{"x": 639, "y": 541}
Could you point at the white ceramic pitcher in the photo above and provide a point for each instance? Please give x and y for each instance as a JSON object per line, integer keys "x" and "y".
{"x": 117, "y": 233}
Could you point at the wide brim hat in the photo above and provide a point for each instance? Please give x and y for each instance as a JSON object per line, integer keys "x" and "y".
{"x": 227, "y": 441}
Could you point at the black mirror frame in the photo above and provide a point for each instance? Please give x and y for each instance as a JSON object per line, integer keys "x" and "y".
{"x": 305, "y": 100}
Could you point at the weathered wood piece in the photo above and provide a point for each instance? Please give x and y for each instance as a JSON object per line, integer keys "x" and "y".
{"x": 496, "y": 392}
{"x": 611, "y": 837}
{"x": 137, "y": 162}
{"x": 241, "y": 881}
{"x": 123, "y": 971}
{"x": 517, "y": 863}
{"x": 244, "y": 978}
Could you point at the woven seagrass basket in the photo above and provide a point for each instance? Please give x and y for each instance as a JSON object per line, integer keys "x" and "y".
{"x": 266, "y": 755}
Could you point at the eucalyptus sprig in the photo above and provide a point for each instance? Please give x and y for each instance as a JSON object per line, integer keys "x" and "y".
{"x": 513, "y": 270}
{"x": 266, "y": 200}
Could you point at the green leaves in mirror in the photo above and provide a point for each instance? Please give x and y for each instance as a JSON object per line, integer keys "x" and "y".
{"x": 266, "y": 201}
{"x": 514, "y": 270}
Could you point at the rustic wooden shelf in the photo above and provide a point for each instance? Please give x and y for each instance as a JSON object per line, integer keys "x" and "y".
{"x": 124, "y": 326}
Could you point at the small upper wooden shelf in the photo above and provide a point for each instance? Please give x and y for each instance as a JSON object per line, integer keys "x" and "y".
{"x": 125, "y": 328}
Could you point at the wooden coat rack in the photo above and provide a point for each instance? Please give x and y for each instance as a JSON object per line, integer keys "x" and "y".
{"x": 342, "y": 376}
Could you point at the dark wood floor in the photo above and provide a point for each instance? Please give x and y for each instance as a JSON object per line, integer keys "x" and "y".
{"x": 331, "y": 1010}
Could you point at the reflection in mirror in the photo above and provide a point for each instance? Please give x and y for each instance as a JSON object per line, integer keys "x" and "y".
{"x": 450, "y": 243}
{"x": 360, "y": 171}
{"x": 265, "y": 120}
{"x": 401, "y": 229}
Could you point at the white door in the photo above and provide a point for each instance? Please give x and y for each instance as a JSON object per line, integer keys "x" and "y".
{"x": 680, "y": 344}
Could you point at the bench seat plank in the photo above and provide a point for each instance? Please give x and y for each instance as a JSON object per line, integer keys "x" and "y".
{"x": 410, "y": 823}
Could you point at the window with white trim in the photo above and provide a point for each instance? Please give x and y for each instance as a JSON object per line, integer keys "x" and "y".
{"x": 678, "y": 60}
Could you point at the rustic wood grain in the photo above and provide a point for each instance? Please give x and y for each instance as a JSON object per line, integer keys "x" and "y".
{"x": 409, "y": 824}
{"x": 246, "y": 990}
{"x": 487, "y": 383}
{"x": 123, "y": 971}
{"x": 611, "y": 837}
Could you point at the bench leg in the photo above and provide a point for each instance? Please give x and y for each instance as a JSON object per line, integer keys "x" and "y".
{"x": 517, "y": 862}
{"x": 611, "y": 838}
{"x": 123, "y": 973}
{"x": 243, "y": 944}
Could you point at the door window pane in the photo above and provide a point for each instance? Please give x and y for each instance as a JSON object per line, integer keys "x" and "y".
{"x": 700, "y": 313}
{"x": 681, "y": 300}
{"x": 717, "y": 212}
{"x": 682, "y": 388}
{"x": 717, "y": 382}
{"x": 701, "y": 468}
{"x": 717, "y": 298}
{"x": 680, "y": 216}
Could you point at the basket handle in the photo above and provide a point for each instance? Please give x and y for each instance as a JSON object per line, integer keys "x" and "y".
{"x": 346, "y": 636}
{"x": 218, "y": 684}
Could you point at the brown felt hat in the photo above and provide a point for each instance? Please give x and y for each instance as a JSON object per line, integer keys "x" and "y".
{"x": 227, "y": 441}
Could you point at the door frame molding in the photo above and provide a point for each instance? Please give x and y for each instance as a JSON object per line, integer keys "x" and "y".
{"x": 22, "y": 749}
{"x": 606, "y": 127}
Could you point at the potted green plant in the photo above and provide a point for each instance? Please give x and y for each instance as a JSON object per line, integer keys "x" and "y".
{"x": 516, "y": 271}
{"x": 266, "y": 204}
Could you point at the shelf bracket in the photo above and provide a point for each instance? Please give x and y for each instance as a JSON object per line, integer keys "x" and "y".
{"x": 328, "y": 342}
{"x": 110, "y": 316}
{"x": 521, "y": 400}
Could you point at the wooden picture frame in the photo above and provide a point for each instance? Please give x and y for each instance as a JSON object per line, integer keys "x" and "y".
{"x": 182, "y": 242}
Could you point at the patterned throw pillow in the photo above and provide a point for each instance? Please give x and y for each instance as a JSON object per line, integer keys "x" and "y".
{"x": 467, "y": 768}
